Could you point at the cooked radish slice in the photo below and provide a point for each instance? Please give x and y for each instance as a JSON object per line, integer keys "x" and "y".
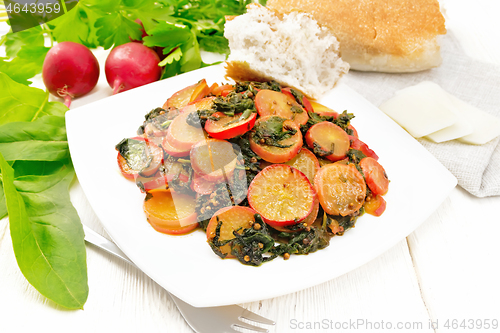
{"x": 138, "y": 157}
{"x": 323, "y": 110}
{"x": 227, "y": 127}
{"x": 158, "y": 182}
{"x": 174, "y": 169}
{"x": 375, "y": 176}
{"x": 306, "y": 162}
{"x": 262, "y": 140}
{"x": 170, "y": 212}
{"x": 341, "y": 188}
{"x": 301, "y": 99}
{"x": 328, "y": 140}
{"x": 234, "y": 218}
{"x": 213, "y": 159}
{"x": 182, "y": 135}
{"x": 270, "y": 102}
{"x": 363, "y": 147}
{"x": 375, "y": 206}
{"x": 202, "y": 104}
{"x": 174, "y": 151}
{"x": 200, "y": 91}
{"x": 188, "y": 95}
{"x": 306, "y": 222}
{"x": 282, "y": 195}
{"x": 222, "y": 90}
{"x": 201, "y": 185}
{"x": 126, "y": 171}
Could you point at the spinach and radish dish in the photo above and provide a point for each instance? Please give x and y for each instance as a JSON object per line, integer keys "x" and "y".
{"x": 261, "y": 169}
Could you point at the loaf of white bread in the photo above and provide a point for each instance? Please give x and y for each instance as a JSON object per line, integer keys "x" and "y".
{"x": 378, "y": 35}
{"x": 291, "y": 49}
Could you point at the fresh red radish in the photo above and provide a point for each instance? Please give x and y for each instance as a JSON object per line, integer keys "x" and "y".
{"x": 131, "y": 65}
{"x": 70, "y": 70}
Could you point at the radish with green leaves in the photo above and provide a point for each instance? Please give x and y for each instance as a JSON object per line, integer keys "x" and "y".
{"x": 70, "y": 70}
{"x": 131, "y": 65}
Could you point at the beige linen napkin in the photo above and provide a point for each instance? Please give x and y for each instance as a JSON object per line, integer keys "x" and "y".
{"x": 477, "y": 168}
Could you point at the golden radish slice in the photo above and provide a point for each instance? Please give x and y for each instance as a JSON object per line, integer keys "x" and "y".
{"x": 234, "y": 218}
{"x": 275, "y": 151}
{"x": 328, "y": 140}
{"x": 270, "y": 102}
{"x": 306, "y": 162}
{"x": 188, "y": 95}
{"x": 308, "y": 221}
{"x": 182, "y": 135}
{"x": 375, "y": 205}
{"x": 170, "y": 212}
{"x": 341, "y": 188}
{"x": 171, "y": 150}
{"x": 323, "y": 110}
{"x": 282, "y": 195}
{"x": 213, "y": 159}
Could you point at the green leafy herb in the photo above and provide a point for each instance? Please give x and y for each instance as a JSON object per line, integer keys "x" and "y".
{"x": 46, "y": 232}
{"x": 343, "y": 120}
{"x": 318, "y": 150}
{"x": 247, "y": 113}
{"x": 41, "y": 140}
{"x": 199, "y": 118}
{"x": 355, "y": 156}
{"x": 168, "y": 35}
{"x": 234, "y": 103}
{"x": 135, "y": 153}
{"x": 253, "y": 86}
{"x": 15, "y": 41}
{"x": 21, "y": 103}
{"x": 28, "y": 63}
{"x": 272, "y": 131}
{"x": 3, "y": 205}
{"x": 180, "y": 27}
{"x": 115, "y": 29}
{"x": 304, "y": 241}
{"x": 251, "y": 245}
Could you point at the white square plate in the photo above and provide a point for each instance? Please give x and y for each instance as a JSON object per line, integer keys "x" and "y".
{"x": 185, "y": 265}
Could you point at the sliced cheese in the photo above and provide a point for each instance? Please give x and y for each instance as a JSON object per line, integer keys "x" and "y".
{"x": 420, "y": 109}
{"x": 459, "y": 129}
{"x": 486, "y": 127}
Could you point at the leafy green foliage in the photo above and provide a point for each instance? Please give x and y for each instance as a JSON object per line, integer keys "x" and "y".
{"x": 77, "y": 26}
{"x": 251, "y": 245}
{"x": 304, "y": 241}
{"x": 21, "y": 103}
{"x": 272, "y": 131}
{"x": 15, "y": 41}
{"x": 46, "y": 232}
{"x": 26, "y": 64}
{"x": 234, "y": 103}
{"x": 41, "y": 140}
{"x": 25, "y": 54}
{"x": 114, "y": 29}
{"x": 180, "y": 27}
{"x": 343, "y": 120}
{"x": 168, "y": 35}
{"x": 3, "y": 205}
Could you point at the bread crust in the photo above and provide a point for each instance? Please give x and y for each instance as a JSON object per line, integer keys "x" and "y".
{"x": 404, "y": 31}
